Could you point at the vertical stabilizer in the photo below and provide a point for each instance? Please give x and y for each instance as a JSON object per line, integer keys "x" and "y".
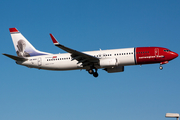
{"x": 22, "y": 46}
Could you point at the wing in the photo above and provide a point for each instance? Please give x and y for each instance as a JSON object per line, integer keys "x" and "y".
{"x": 83, "y": 58}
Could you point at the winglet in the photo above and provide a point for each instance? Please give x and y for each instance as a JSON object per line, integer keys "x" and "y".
{"x": 13, "y": 30}
{"x": 54, "y": 40}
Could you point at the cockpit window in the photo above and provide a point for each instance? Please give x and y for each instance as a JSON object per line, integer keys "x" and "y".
{"x": 166, "y": 50}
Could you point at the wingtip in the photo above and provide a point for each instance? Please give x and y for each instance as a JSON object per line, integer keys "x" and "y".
{"x": 54, "y": 39}
{"x": 13, "y": 30}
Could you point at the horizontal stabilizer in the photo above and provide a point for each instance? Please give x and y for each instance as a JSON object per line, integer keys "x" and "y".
{"x": 15, "y": 57}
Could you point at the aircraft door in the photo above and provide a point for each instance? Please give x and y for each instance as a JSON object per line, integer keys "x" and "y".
{"x": 156, "y": 51}
{"x": 39, "y": 61}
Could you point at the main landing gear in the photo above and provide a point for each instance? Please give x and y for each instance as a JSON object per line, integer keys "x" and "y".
{"x": 91, "y": 71}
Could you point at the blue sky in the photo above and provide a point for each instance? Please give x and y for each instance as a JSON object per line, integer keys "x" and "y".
{"x": 137, "y": 93}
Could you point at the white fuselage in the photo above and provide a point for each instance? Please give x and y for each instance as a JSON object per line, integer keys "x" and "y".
{"x": 65, "y": 62}
{"x": 111, "y": 60}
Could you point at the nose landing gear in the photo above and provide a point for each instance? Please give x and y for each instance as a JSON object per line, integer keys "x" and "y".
{"x": 161, "y": 67}
{"x": 165, "y": 62}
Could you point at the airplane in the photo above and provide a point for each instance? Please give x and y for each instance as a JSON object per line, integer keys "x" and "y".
{"x": 111, "y": 61}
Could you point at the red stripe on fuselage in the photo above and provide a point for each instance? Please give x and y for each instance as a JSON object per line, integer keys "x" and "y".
{"x": 147, "y": 55}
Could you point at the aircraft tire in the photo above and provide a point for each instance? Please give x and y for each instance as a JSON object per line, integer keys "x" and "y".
{"x": 90, "y": 71}
{"x": 95, "y": 74}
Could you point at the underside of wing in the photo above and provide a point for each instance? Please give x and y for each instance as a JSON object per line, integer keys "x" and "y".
{"x": 83, "y": 58}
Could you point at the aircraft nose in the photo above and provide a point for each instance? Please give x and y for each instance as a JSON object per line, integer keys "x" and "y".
{"x": 175, "y": 54}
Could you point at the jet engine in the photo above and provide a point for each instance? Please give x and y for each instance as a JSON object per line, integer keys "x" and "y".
{"x": 108, "y": 62}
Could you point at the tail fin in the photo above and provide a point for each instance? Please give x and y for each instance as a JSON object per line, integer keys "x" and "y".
{"x": 22, "y": 46}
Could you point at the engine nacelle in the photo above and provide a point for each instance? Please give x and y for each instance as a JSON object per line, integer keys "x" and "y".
{"x": 115, "y": 69}
{"x": 108, "y": 62}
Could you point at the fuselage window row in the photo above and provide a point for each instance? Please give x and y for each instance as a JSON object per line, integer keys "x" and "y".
{"x": 58, "y": 59}
{"x": 142, "y": 52}
{"x": 123, "y": 54}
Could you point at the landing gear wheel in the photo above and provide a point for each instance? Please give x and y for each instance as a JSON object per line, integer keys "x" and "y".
{"x": 93, "y": 71}
{"x": 95, "y": 74}
{"x": 160, "y": 67}
{"x": 90, "y": 71}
